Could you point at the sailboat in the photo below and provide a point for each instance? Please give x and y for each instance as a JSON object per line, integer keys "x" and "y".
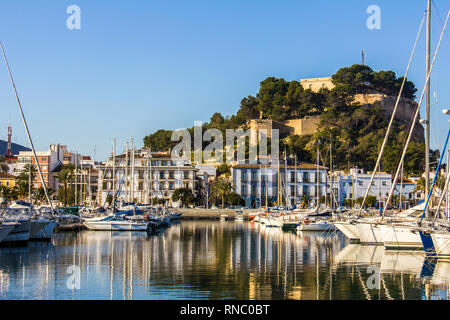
{"x": 399, "y": 232}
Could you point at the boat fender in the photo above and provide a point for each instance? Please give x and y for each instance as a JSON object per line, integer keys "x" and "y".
{"x": 306, "y": 222}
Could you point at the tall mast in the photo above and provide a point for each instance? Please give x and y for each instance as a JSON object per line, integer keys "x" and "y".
{"x": 76, "y": 177}
{"x": 126, "y": 172}
{"x": 132, "y": 169}
{"x": 114, "y": 174}
{"x": 26, "y": 128}
{"x": 295, "y": 179}
{"x": 317, "y": 181}
{"x": 151, "y": 178}
{"x": 428, "y": 104}
{"x": 331, "y": 176}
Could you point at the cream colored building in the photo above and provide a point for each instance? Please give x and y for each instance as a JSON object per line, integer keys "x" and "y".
{"x": 315, "y": 84}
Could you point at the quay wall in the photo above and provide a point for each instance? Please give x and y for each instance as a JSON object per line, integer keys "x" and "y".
{"x": 194, "y": 214}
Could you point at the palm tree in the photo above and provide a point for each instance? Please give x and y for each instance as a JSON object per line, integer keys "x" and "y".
{"x": 221, "y": 189}
{"x": 420, "y": 185}
{"x": 3, "y": 165}
{"x": 40, "y": 196}
{"x": 65, "y": 175}
{"x": 29, "y": 173}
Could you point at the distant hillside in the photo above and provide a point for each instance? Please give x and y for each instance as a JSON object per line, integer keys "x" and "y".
{"x": 16, "y": 148}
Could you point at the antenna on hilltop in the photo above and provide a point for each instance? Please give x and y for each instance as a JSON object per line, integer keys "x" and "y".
{"x": 363, "y": 58}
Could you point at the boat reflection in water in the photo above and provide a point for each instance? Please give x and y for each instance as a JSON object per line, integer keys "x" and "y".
{"x": 205, "y": 260}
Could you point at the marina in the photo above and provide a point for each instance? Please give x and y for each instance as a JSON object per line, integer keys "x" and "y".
{"x": 215, "y": 260}
{"x": 328, "y": 187}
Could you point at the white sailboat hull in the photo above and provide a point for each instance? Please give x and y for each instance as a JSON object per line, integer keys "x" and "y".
{"x": 318, "y": 226}
{"x": 20, "y": 234}
{"x": 45, "y": 233}
{"x": 400, "y": 237}
{"x": 116, "y": 226}
{"x": 369, "y": 233}
{"x": 5, "y": 230}
{"x": 441, "y": 243}
{"x": 348, "y": 229}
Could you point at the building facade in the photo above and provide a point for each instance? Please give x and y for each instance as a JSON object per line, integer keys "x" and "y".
{"x": 255, "y": 183}
{"x": 140, "y": 176}
{"x": 49, "y": 161}
{"x": 353, "y": 185}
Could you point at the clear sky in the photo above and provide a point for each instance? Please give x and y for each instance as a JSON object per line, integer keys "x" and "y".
{"x": 138, "y": 66}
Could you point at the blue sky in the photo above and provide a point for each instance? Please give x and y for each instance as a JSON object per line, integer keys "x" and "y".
{"x": 138, "y": 66}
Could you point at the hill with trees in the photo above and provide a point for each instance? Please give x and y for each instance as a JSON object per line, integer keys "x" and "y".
{"x": 355, "y": 131}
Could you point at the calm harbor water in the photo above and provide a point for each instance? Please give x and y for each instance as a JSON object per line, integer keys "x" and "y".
{"x": 215, "y": 260}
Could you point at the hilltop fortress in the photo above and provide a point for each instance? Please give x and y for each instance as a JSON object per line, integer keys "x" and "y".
{"x": 309, "y": 125}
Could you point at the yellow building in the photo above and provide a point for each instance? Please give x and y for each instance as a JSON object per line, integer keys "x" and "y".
{"x": 7, "y": 179}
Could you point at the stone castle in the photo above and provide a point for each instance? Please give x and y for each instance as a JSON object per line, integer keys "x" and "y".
{"x": 309, "y": 125}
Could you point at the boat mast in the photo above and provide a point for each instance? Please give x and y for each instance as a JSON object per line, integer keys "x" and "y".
{"x": 76, "y": 177}
{"x": 126, "y": 172}
{"x": 295, "y": 179}
{"x": 132, "y": 170}
{"x": 151, "y": 178}
{"x": 317, "y": 181}
{"x": 428, "y": 103}
{"x": 114, "y": 174}
{"x": 26, "y": 128}
{"x": 331, "y": 177}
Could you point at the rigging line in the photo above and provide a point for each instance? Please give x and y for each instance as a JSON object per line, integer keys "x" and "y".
{"x": 416, "y": 114}
{"x": 26, "y": 128}
{"x": 436, "y": 12}
{"x": 380, "y": 155}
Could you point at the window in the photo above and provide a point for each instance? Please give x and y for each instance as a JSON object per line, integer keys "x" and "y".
{"x": 360, "y": 183}
{"x": 171, "y": 184}
{"x": 292, "y": 177}
{"x": 161, "y": 175}
{"x": 305, "y": 177}
{"x": 161, "y": 186}
{"x": 186, "y": 175}
{"x": 43, "y": 159}
{"x": 171, "y": 175}
{"x": 243, "y": 191}
{"x": 105, "y": 185}
{"x": 254, "y": 178}
{"x": 141, "y": 174}
{"x": 141, "y": 186}
{"x": 244, "y": 175}
{"x": 164, "y": 163}
{"x": 253, "y": 190}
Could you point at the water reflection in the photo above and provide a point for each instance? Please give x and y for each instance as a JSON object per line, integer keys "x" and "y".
{"x": 214, "y": 260}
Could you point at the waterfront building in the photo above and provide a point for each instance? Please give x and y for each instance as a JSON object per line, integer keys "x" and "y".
{"x": 292, "y": 183}
{"x": 141, "y": 175}
{"x": 407, "y": 189}
{"x": 352, "y": 185}
{"x": 49, "y": 162}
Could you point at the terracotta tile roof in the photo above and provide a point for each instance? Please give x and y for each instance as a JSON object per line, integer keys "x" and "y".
{"x": 6, "y": 176}
{"x": 302, "y": 165}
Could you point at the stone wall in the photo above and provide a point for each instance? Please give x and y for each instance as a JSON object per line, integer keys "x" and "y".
{"x": 405, "y": 111}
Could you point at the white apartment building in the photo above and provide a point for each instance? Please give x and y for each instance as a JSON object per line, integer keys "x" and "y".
{"x": 141, "y": 176}
{"x": 353, "y": 185}
{"x": 254, "y": 182}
